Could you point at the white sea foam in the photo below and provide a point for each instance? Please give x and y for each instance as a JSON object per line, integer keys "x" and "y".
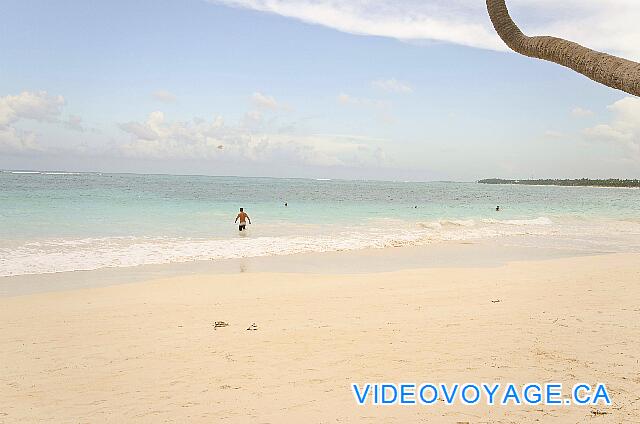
{"x": 61, "y": 173}
{"x": 60, "y": 255}
{"x": 543, "y": 220}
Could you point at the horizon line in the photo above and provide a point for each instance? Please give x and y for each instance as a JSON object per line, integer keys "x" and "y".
{"x": 40, "y": 171}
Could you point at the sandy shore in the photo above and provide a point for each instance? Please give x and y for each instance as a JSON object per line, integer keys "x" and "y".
{"x": 148, "y": 352}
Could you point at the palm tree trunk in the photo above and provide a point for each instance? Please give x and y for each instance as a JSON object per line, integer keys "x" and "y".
{"x": 606, "y": 69}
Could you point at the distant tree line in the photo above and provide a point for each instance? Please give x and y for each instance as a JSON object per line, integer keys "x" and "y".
{"x": 582, "y": 182}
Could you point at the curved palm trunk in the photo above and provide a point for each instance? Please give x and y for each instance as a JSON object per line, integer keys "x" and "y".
{"x": 606, "y": 69}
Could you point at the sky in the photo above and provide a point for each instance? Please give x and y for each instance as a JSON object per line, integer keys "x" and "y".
{"x": 357, "y": 89}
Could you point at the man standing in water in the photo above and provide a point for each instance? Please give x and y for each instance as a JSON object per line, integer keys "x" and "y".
{"x": 243, "y": 217}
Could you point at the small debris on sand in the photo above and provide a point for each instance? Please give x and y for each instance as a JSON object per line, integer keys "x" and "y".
{"x": 219, "y": 324}
{"x": 253, "y": 327}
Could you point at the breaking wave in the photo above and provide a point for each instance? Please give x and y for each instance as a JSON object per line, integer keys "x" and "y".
{"x": 61, "y": 255}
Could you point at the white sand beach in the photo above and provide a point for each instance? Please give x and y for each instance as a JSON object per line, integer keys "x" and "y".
{"x": 148, "y": 351}
{"x": 320, "y": 212}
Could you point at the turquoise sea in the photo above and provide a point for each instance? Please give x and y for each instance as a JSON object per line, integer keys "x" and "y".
{"x": 61, "y": 221}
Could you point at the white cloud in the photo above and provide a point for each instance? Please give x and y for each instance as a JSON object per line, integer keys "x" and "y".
{"x": 392, "y": 85}
{"x": 624, "y": 128}
{"x": 30, "y": 105}
{"x": 38, "y": 106}
{"x": 13, "y": 140}
{"x": 609, "y": 25}
{"x": 139, "y": 130}
{"x": 263, "y": 101}
{"x": 578, "y": 112}
{"x": 408, "y": 20}
{"x": 158, "y": 138}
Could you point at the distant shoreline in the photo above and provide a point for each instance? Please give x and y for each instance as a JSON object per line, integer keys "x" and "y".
{"x": 582, "y": 182}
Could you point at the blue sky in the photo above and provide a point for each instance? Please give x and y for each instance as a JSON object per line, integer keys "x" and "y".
{"x": 309, "y": 89}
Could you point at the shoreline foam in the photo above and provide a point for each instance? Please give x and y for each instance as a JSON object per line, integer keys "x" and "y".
{"x": 84, "y": 254}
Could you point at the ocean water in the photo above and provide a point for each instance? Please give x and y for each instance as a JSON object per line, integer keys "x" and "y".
{"x": 58, "y": 221}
